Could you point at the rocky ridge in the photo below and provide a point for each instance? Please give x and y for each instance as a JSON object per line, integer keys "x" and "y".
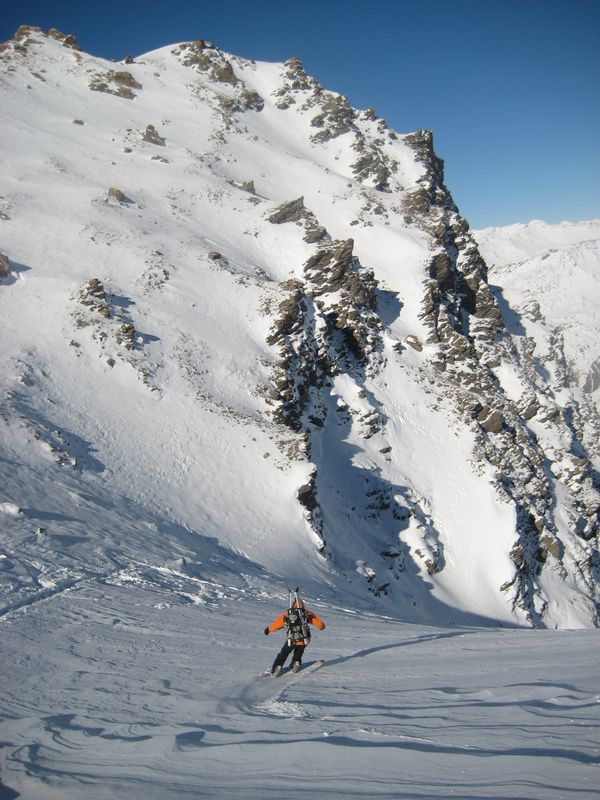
{"x": 465, "y": 322}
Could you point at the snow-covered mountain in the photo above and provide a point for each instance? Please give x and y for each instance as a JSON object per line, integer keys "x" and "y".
{"x": 249, "y": 342}
{"x": 550, "y": 275}
{"x": 238, "y": 311}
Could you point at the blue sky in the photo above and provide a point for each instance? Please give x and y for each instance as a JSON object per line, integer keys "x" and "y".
{"x": 510, "y": 88}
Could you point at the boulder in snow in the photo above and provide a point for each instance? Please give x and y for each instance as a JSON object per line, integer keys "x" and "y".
{"x": 4, "y": 265}
{"x": 117, "y": 194}
{"x": 152, "y": 136}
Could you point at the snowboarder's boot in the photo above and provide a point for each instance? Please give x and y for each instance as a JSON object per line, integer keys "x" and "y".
{"x": 295, "y": 666}
{"x": 275, "y": 671}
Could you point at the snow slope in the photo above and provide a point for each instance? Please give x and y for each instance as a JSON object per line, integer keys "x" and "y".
{"x": 177, "y": 419}
{"x": 288, "y": 379}
{"x": 140, "y": 692}
{"x": 209, "y": 393}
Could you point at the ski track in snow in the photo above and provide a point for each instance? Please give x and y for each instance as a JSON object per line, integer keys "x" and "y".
{"x": 139, "y": 692}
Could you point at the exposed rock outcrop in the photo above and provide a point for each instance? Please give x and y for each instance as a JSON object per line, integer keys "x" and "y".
{"x": 296, "y": 84}
{"x": 152, "y": 136}
{"x": 26, "y": 34}
{"x": 295, "y": 211}
{"x": 203, "y": 57}
{"x": 4, "y": 266}
{"x": 68, "y": 40}
{"x": 110, "y": 328}
{"x": 335, "y": 118}
{"x": 120, "y": 83}
{"x": 116, "y": 194}
{"x": 292, "y": 211}
{"x": 325, "y": 323}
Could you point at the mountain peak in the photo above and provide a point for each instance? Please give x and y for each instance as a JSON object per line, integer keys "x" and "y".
{"x": 240, "y": 309}
{"x": 26, "y": 35}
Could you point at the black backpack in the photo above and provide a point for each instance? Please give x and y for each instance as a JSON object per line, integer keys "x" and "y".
{"x": 296, "y": 621}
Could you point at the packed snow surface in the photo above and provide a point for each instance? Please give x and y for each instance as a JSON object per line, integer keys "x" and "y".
{"x": 147, "y": 683}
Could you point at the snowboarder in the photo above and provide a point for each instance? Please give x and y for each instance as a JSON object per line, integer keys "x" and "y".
{"x": 296, "y": 621}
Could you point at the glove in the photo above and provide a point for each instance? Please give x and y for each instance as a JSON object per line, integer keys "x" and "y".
{"x": 266, "y": 631}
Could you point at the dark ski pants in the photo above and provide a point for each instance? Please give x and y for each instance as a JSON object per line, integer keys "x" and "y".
{"x": 298, "y": 650}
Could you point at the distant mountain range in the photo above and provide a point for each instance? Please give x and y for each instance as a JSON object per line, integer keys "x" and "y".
{"x": 246, "y": 326}
{"x": 555, "y": 267}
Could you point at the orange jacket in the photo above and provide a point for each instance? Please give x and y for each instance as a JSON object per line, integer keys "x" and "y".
{"x": 311, "y": 617}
